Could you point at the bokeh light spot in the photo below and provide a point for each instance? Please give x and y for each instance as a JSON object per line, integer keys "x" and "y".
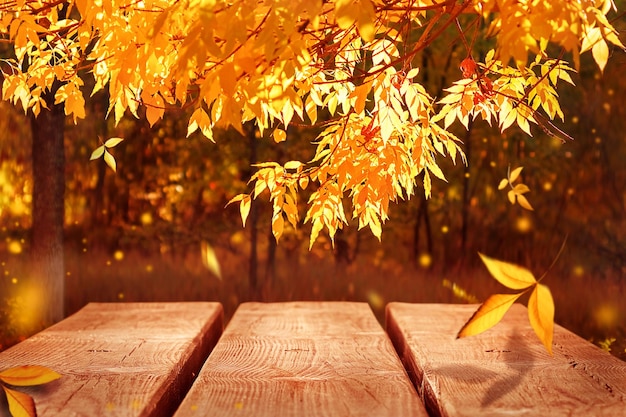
{"x": 14, "y": 247}
{"x": 425, "y": 260}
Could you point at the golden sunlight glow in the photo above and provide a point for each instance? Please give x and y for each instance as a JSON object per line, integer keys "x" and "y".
{"x": 606, "y": 316}
{"x": 425, "y": 260}
{"x": 523, "y": 224}
{"x": 14, "y": 247}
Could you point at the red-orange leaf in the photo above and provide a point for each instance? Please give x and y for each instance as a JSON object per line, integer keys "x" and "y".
{"x": 20, "y": 404}
{"x": 541, "y": 314}
{"x": 28, "y": 375}
{"x": 488, "y": 314}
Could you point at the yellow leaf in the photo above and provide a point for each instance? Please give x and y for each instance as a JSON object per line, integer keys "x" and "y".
{"x": 278, "y": 225}
{"x": 511, "y": 196}
{"x": 541, "y": 314}
{"x": 110, "y": 160}
{"x": 23, "y": 376}
{"x": 365, "y": 20}
{"x": 515, "y": 174}
{"x": 97, "y": 153}
{"x": 304, "y": 182}
{"x": 315, "y": 231}
{"x": 412, "y": 73}
{"x": 244, "y": 209}
{"x": 236, "y": 198}
{"x": 110, "y": 143}
{"x": 361, "y": 12}
{"x": 209, "y": 259}
{"x": 524, "y": 202}
{"x": 503, "y": 183}
{"x": 508, "y": 274}
{"x": 297, "y": 165}
{"x": 520, "y": 189}
{"x": 20, "y": 404}
{"x": 488, "y": 314}
{"x": 600, "y": 52}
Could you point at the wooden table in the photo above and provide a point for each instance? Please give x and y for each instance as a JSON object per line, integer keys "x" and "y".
{"x": 312, "y": 359}
{"x": 504, "y": 371}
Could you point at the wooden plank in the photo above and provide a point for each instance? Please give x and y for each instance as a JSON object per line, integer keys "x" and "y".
{"x": 504, "y": 371}
{"x": 303, "y": 359}
{"x": 122, "y": 359}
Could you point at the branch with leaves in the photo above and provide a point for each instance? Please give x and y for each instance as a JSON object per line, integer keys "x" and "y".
{"x": 284, "y": 62}
{"x": 517, "y": 191}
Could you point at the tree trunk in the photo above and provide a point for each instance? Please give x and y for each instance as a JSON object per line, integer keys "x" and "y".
{"x": 47, "y": 280}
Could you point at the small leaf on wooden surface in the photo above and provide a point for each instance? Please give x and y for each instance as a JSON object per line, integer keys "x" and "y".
{"x": 488, "y": 314}
{"x": 20, "y": 404}
{"x": 508, "y": 274}
{"x": 541, "y": 314}
{"x": 28, "y": 375}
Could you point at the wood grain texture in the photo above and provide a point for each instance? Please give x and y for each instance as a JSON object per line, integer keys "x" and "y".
{"x": 120, "y": 359}
{"x": 504, "y": 371}
{"x": 303, "y": 359}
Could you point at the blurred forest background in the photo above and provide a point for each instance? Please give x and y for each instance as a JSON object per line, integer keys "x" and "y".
{"x": 144, "y": 233}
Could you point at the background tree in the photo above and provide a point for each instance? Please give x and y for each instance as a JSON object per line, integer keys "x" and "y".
{"x": 350, "y": 65}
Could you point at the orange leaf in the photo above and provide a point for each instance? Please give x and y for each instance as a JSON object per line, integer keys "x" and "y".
{"x": 541, "y": 314}
{"x": 279, "y": 135}
{"x": 28, "y": 375}
{"x": 488, "y": 314}
{"x": 20, "y": 404}
{"x": 509, "y": 275}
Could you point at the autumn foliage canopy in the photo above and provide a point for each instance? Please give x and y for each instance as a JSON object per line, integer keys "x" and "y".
{"x": 346, "y": 67}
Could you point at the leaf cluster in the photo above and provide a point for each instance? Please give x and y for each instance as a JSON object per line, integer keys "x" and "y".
{"x": 491, "y": 311}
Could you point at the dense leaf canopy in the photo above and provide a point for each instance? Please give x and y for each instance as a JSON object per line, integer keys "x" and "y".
{"x": 348, "y": 68}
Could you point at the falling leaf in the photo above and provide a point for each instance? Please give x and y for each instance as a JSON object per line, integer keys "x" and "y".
{"x": 515, "y": 174}
{"x": 110, "y": 161}
{"x": 488, "y": 314}
{"x": 541, "y": 314}
{"x": 522, "y": 201}
{"x": 20, "y": 404}
{"x": 209, "y": 259}
{"x": 508, "y": 274}
{"x": 97, "y": 153}
{"x": 23, "y": 376}
{"x": 112, "y": 142}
